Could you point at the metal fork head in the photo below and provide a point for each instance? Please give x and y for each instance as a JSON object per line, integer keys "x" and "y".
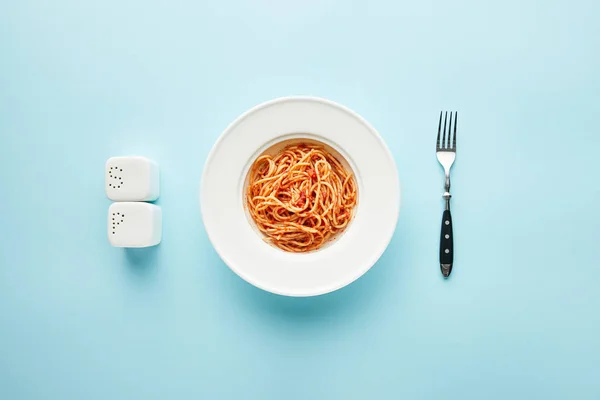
{"x": 446, "y": 147}
{"x": 450, "y": 143}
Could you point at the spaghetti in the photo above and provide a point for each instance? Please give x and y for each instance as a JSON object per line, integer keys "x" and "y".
{"x": 301, "y": 197}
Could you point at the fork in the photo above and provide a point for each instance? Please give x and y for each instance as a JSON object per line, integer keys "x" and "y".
{"x": 446, "y": 153}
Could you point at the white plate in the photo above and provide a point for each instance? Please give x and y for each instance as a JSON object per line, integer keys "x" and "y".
{"x": 241, "y": 246}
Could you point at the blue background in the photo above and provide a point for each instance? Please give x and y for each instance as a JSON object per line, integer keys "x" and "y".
{"x": 83, "y": 81}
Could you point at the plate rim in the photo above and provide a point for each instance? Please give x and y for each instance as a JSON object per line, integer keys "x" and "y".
{"x": 230, "y": 127}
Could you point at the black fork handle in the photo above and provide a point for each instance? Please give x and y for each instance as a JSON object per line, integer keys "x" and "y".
{"x": 446, "y": 244}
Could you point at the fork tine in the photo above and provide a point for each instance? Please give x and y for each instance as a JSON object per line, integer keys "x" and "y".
{"x": 454, "y": 136}
{"x": 449, "y": 132}
{"x": 444, "y": 136}
{"x": 439, "y": 129}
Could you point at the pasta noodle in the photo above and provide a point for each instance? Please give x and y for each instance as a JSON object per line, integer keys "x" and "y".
{"x": 301, "y": 197}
